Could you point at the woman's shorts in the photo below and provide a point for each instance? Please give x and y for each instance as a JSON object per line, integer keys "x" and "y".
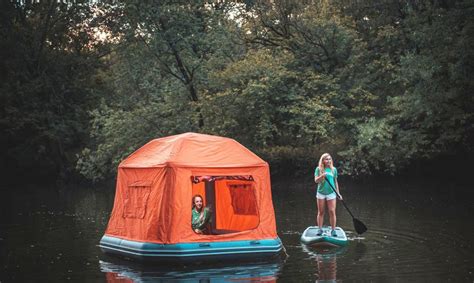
{"x": 326, "y": 197}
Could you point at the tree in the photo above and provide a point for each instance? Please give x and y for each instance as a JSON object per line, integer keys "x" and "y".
{"x": 427, "y": 110}
{"x": 47, "y": 87}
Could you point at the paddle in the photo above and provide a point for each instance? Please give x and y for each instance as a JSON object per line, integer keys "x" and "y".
{"x": 358, "y": 225}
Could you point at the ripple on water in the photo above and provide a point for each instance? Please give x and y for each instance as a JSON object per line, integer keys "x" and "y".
{"x": 405, "y": 253}
{"x": 291, "y": 233}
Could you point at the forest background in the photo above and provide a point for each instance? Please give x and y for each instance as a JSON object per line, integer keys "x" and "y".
{"x": 385, "y": 86}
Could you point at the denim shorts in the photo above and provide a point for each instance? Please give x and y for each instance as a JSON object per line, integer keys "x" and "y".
{"x": 326, "y": 197}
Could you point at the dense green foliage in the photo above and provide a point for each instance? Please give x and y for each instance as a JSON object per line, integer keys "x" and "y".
{"x": 380, "y": 84}
{"x": 48, "y": 62}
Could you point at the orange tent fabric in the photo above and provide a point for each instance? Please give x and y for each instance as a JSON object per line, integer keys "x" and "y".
{"x": 155, "y": 187}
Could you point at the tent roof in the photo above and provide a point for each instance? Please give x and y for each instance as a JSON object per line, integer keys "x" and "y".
{"x": 192, "y": 150}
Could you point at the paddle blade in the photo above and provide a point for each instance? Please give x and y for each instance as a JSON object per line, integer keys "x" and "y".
{"x": 359, "y": 226}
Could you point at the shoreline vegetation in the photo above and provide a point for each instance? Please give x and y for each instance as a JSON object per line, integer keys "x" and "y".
{"x": 384, "y": 86}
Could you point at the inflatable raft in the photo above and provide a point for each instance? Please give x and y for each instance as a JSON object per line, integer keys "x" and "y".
{"x": 310, "y": 237}
{"x": 190, "y": 252}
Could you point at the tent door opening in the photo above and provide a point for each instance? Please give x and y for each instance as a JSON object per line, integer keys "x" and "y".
{"x": 232, "y": 201}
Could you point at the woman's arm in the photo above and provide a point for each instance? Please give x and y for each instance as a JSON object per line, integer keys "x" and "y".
{"x": 320, "y": 178}
{"x": 205, "y": 219}
{"x": 337, "y": 188}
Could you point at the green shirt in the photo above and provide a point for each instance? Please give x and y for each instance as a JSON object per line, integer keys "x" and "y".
{"x": 198, "y": 222}
{"x": 323, "y": 187}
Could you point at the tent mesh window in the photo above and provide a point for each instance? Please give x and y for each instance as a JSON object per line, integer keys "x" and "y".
{"x": 136, "y": 198}
{"x": 243, "y": 199}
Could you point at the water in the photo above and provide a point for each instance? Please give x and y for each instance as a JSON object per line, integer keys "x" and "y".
{"x": 418, "y": 231}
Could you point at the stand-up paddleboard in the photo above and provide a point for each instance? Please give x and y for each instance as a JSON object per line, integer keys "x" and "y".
{"x": 310, "y": 237}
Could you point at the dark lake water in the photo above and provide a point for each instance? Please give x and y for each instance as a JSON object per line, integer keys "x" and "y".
{"x": 418, "y": 231}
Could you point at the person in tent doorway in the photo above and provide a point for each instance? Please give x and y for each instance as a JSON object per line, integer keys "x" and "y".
{"x": 200, "y": 216}
{"x": 325, "y": 175}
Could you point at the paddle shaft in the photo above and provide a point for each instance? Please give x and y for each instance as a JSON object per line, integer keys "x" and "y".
{"x": 358, "y": 225}
{"x": 348, "y": 210}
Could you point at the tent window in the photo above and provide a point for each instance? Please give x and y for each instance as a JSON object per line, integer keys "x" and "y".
{"x": 136, "y": 199}
{"x": 243, "y": 199}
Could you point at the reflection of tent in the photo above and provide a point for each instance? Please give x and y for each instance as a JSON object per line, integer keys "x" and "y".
{"x": 118, "y": 272}
{"x": 155, "y": 186}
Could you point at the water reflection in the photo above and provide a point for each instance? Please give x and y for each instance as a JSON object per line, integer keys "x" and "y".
{"x": 125, "y": 271}
{"x": 325, "y": 260}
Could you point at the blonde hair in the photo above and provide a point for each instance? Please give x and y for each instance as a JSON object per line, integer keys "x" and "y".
{"x": 321, "y": 163}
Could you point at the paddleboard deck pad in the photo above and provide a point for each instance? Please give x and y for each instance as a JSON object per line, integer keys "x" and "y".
{"x": 310, "y": 237}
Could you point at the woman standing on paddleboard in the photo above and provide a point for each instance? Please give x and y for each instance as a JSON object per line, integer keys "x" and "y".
{"x": 325, "y": 196}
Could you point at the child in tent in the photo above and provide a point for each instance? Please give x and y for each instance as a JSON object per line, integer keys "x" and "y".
{"x": 200, "y": 216}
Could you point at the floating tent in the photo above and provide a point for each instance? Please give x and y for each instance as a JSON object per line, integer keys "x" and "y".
{"x": 151, "y": 217}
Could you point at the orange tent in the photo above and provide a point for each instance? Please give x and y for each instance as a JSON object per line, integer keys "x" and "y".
{"x": 156, "y": 183}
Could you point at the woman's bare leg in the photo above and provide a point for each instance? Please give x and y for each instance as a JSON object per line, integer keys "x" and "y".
{"x": 321, "y": 207}
{"x": 332, "y": 212}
